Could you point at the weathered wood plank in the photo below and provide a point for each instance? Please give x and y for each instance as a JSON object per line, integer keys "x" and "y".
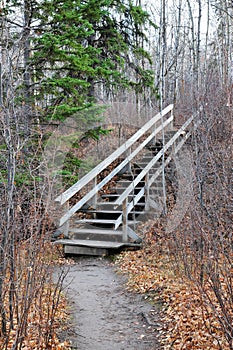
{"x": 89, "y": 243}
{"x": 80, "y": 250}
{"x": 95, "y": 251}
{"x": 96, "y": 221}
{"x": 95, "y": 231}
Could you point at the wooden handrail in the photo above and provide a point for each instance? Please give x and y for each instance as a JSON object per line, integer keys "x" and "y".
{"x": 70, "y": 192}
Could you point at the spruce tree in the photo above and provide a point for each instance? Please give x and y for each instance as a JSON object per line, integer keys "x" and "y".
{"x": 84, "y": 43}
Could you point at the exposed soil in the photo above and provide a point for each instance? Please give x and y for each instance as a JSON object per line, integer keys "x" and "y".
{"x": 105, "y": 315}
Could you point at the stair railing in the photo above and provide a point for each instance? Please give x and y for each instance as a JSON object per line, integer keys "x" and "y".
{"x": 64, "y": 198}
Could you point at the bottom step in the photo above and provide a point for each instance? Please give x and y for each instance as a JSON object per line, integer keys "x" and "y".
{"x": 77, "y": 250}
{"x": 89, "y": 247}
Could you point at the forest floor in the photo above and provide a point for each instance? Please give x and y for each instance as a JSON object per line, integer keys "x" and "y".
{"x": 105, "y": 315}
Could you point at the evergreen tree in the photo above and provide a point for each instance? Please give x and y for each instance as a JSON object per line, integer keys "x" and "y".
{"x": 80, "y": 44}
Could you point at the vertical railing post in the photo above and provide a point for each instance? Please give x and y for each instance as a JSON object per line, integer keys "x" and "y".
{"x": 154, "y": 133}
{"x": 125, "y": 220}
{"x": 172, "y": 122}
{"x": 173, "y": 152}
{"x": 1, "y": 98}
{"x": 94, "y": 202}
{"x": 96, "y": 194}
{"x": 128, "y": 153}
{"x": 147, "y": 192}
{"x": 66, "y": 225}
{"x": 174, "y": 143}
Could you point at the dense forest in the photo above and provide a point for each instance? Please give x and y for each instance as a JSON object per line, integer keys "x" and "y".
{"x": 74, "y": 59}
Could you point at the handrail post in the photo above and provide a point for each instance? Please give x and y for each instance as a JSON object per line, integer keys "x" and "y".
{"x": 154, "y": 133}
{"x": 172, "y": 123}
{"x": 147, "y": 191}
{"x": 173, "y": 151}
{"x": 125, "y": 220}
{"x": 94, "y": 200}
{"x": 128, "y": 153}
{"x": 96, "y": 194}
{"x": 67, "y": 223}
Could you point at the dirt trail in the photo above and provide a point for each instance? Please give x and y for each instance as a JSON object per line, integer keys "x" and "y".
{"x": 105, "y": 315}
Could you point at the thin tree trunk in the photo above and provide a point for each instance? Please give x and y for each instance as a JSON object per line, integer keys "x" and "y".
{"x": 162, "y": 89}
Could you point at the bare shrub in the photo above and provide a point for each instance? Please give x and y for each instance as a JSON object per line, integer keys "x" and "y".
{"x": 202, "y": 244}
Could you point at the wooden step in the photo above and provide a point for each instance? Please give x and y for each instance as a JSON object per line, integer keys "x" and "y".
{"x": 146, "y": 159}
{"x": 96, "y": 211}
{"x": 113, "y": 214}
{"x": 90, "y": 243}
{"x": 104, "y": 214}
{"x": 129, "y": 178}
{"x": 144, "y": 164}
{"x": 104, "y": 223}
{"x": 155, "y": 148}
{"x": 126, "y": 183}
{"x": 81, "y": 250}
{"x": 95, "y": 230}
{"x": 109, "y": 205}
{"x": 121, "y": 187}
{"x": 116, "y": 195}
{"x": 93, "y": 211}
{"x": 170, "y": 133}
{"x": 156, "y": 191}
{"x": 88, "y": 247}
{"x": 96, "y": 234}
{"x": 96, "y": 221}
{"x": 92, "y": 247}
{"x": 120, "y": 190}
{"x": 156, "y": 184}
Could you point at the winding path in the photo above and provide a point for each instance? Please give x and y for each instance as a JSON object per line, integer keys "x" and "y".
{"x": 105, "y": 315}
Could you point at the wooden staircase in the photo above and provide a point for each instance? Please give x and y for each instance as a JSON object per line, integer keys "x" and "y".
{"x": 110, "y": 217}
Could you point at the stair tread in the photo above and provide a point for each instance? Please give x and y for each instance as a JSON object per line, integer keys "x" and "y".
{"x": 103, "y": 221}
{"x": 90, "y": 243}
{"x": 115, "y": 195}
{"x": 145, "y": 163}
{"x": 126, "y": 177}
{"x": 123, "y": 188}
{"x": 99, "y": 211}
{"x": 95, "y": 231}
{"x": 114, "y": 204}
{"x": 110, "y": 195}
{"x": 146, "y": 159}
